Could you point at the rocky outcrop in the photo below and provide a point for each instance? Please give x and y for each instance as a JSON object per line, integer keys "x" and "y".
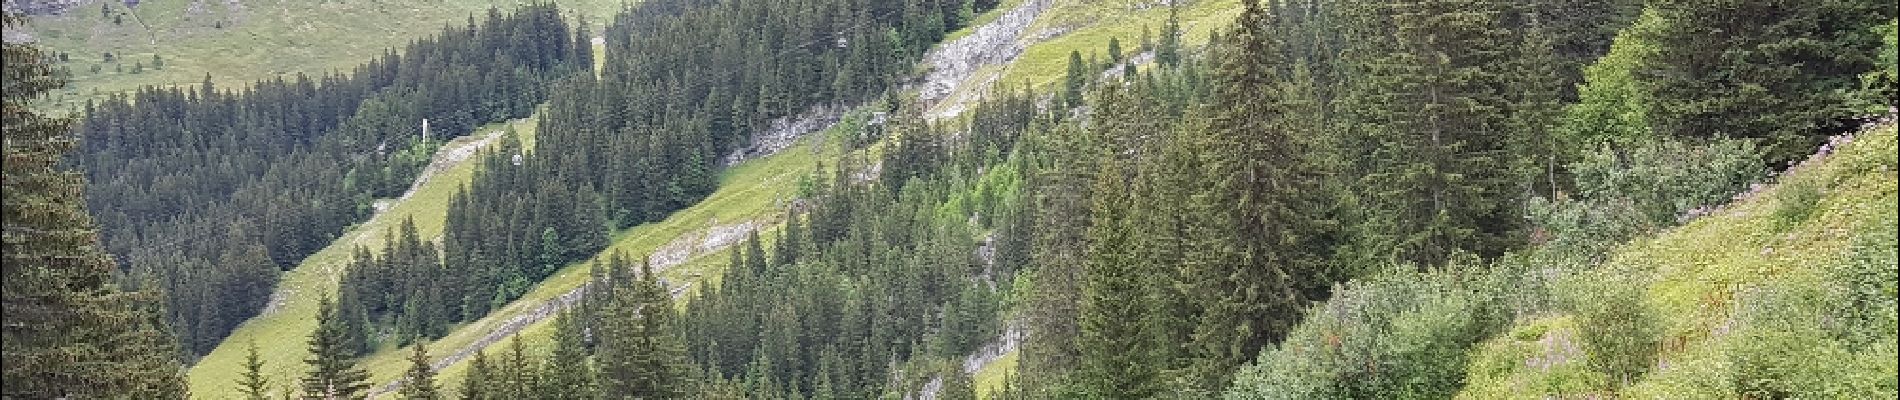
{"x": 39, "y": 7}
{"x": 953, "y": 63}
{"x": 782, "y": 132}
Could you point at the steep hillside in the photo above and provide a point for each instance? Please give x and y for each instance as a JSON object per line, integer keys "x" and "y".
{"x": 1022, "y": 34}
{"x": 237, "y": 42}
{"x": 281, "y": 329}
{"x": 1789, "y": 292}
{"x": 1027, "y": 43}
{"x": 750, "y": 197}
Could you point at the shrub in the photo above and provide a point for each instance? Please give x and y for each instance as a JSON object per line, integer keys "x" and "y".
{"x": 1795, "y": 202}
{"x": 1789, "y": 343}
{"x": 1622, "y": 192}
{"x": 1402, "y": 335}
{"x": 1619, "y": 330}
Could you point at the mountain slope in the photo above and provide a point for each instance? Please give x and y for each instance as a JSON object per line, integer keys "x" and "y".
{"x": 1789, "y": 292}
{"x": 239, "y": 42}
{"x": 281, "y": 329}
{"x": 1055, "y": 28}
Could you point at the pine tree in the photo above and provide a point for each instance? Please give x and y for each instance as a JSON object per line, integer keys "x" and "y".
{"x": 639, "y": 353}
{"x": 479, "y": 384}
{"x": 1168, "y": 52}
{"x": 1077, "y": 78}
{"x": 1113, "y": 305}
{"x": 69, "y": 332}
{"x": 958, "y": 386}
{"x": 1784, "y": 71}
{"x": 1061, "y": 204}
{"x": 252, "y": 382}
{"x": 1256, "y": 232}
{"x": 1441, "y": 179}
{"x": 419, "y": 382}
{"x": 519, "y": 376}
{"x": 567, "y": 375}
{"x": 333, "y": 370}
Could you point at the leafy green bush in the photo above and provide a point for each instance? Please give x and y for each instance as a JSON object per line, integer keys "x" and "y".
{"x": 1647, "y": 184}
{"x": 1793, "y": 342}
{"x": 1401, "y": 335}
{"x": 1795, "y": 202}
{"x": 1619, "y": 331}
{"x": 1613, "y": 104}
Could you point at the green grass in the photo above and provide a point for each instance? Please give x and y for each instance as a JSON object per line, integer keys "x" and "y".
{"x": 990, "y": 379}
{"x": 241, "y": 42}
{"x": 1090, "y": 24}
{"x": 1087, "y": 27}
{"x": 1705, "y": 280}
{"x": 280, "y": 335}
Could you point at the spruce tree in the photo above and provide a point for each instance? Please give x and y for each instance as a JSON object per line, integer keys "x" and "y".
{"x": 1078, "y": 77}
{"x": 1259, "y": 231}
{"x": 958, "y": 386}
{"x": 69, "y": 332}
{"x": 1440, "y": 179}
{"x": 419, "y": 382}
{"x": 1062, "y": 201}
{"x": 1168, "y": 51}
{"x": 1784, "y": 71}
{"x": 333, "y": 370}
{"x": 252, "y": 382}
{"x": 639, "y": 352}
{"x": 567, "y": 376}
{"x": 1113, "y": 305}
{"x": 519, "y": 376}
{"x": 480, "y": 380}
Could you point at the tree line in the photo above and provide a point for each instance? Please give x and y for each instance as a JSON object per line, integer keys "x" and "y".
{"x": 208, "y": 192}
{"x": 1336, "y": 142}
{"x": 645, "y": 138}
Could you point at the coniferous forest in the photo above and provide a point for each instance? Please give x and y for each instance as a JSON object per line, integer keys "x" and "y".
{"x": 207, "y": 193}
{"x": 1320, "y": 199}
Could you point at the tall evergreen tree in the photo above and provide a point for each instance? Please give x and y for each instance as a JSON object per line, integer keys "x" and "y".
{"x": 1168, "y": 51}
{"x": 333, "y": 370}
{"x": 1440, "y": 180}
{"x": 1113, "y": 305}
{"x": 419, "y": 382}
{"x": 480, "y": 382}
{"x": 567, "y": 374}
{"x": 69, "y": 332}
{"x": 252, "y": 382}
{"x": 1784, "y": 71}
{"x": 1078, "y": 77}
{"x": 1062, "y": 204}
{"x": 639, "y": 354}
{"x": 519, "y": 375}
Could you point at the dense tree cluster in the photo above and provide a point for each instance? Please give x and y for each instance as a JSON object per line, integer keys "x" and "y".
{"x": 69, "y": 331}
{"x": 876, "y": 273}
{"x": 1336, "y": 140}
{"x": 209, "y": 191}
{"x": 645, "y": 139}
{"x": 623, "y": 341}
{"x": 400, "y": 294}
